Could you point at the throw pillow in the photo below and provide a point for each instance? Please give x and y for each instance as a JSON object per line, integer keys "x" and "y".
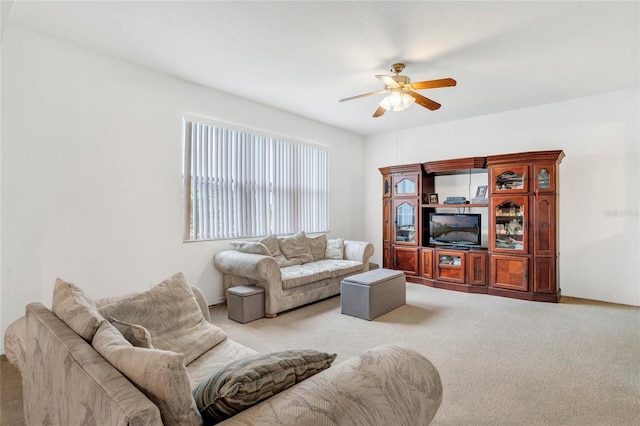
{"x": 295, "y": 248}
{"x": 335, "y": 249}
{"x": 173, "y": 317}
{"x": 251, "y": 247}
{"x": 271, "y": 242}
{"x": 135, "y": 334}
{"x": 243, "y": 383}
{"x": 317, "y": 246}
{"x": 160, "y": 375}
{"x": 72, "y": 306}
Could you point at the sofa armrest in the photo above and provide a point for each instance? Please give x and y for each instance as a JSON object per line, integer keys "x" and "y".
{"x": 252, "y": 266}
{"x": 15, "y": 342}
{"x": 66, "y": 382}
{"x": 358, "y": 250}
{"x": 388, "y": 385}
{"x": 240, "y": 268}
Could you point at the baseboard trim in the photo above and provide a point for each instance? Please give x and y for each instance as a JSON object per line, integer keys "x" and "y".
{"x": 218, "y": 301}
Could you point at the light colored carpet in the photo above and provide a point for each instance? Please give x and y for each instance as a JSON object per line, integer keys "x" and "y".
{"x": 502, "y": 361}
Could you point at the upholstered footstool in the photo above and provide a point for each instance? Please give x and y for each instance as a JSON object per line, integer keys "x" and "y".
{"x": 245, "y": 303}
{"x": 373, "y": 293}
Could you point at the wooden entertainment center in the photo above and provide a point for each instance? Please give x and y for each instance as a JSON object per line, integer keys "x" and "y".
{"x": 520, "y": 258}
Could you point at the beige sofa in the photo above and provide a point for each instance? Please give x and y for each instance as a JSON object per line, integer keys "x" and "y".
{"x": 77, "y": 368}
{"x": 294, "y": 270}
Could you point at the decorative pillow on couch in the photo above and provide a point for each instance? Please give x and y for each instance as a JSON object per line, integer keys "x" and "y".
{"x": 252, "y": 247}
{"x": 317, "y": 246}
{"x": 160, "y": 375}
{"x": 135, "y": 334}
{"x": 295, "y": 248}
{"x": 171, "y": 314}
{"x": 335, "y": 249}
{"x": 243, "y": 383}
{"x": 271, "y": 242}
{"x": 72, "y": 306}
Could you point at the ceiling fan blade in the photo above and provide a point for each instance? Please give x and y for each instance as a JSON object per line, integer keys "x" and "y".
{"x": 379, "y": 112}
{"x": 362, "y": 96}
{"x": 387, "y": 80}
{"x": 425, "y": 102}
{"x": 432, "y": 84}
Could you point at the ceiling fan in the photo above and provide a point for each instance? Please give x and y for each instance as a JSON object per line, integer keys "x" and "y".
{"x": 401, "y": 92}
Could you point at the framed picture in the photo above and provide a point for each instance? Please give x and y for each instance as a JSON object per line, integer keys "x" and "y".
{"x": 433, "y": 198}
{"x": 481, "y": 192}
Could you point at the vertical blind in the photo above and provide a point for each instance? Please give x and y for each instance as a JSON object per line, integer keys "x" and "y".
{"x": 239, "y": 184}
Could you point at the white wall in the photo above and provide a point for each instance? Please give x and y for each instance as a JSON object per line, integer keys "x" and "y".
{"x": 91, "y": 172}
{"x": 91, "y": 175}
{"x": 599, "y": 180}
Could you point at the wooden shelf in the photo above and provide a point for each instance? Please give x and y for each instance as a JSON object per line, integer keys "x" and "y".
{"x": 453, "y": 206}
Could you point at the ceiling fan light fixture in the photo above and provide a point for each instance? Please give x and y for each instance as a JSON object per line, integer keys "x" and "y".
{"x": 395, "y": 99}
{"x": 397, "y": 102}
{"x": 408, "y": 100}
{"x": 401, "y": 93}
{"x": 385, "y": 103}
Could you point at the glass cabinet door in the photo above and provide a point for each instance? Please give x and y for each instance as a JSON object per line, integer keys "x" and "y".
{"x": 509, "y": 179}
{"x": 450, "y": 266}
{"x": 405, "y": 214}
{"x": 509, "y": 232}
{"x": 544, "y": 175}
{"x": 406, "y": 184}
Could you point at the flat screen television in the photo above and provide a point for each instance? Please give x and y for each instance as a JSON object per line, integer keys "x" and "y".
{"x": 455, "y": 228}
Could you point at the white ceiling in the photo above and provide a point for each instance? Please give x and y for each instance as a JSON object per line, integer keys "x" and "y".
{"x": 304, "y": 56}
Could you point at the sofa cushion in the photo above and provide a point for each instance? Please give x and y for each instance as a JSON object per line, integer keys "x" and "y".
{"x": 243, "y": 383}
{"x": 252, "y": 247}
{"x": 160, "y": 375}
{"x": 299, "y": 275}
{"x": 335, "y": 248}
{"x": 272, "y": 243}
{"x": 295, "y": 248}
{"x": 135, "y": 334}
{"x": 317, "y": 246}
{"x": 72, "y": 306}
{"x": 172, "y": 315}
{"x": 340, "y": 267}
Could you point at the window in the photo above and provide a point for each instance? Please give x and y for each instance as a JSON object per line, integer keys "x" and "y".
{"x": 241, "y": 184}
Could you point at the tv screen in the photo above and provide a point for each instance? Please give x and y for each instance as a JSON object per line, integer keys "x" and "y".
{"x": 455, "y": 228}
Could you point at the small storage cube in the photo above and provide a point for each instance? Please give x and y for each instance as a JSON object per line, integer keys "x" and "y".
{"x": 245, "y": 303}
{"x": 373, "y": 293}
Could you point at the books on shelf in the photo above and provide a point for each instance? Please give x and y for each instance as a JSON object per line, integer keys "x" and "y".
{"x": 456, "y": 200}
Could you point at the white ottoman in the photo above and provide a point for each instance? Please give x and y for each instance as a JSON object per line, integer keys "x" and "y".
{"x": 373, "y": 293}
